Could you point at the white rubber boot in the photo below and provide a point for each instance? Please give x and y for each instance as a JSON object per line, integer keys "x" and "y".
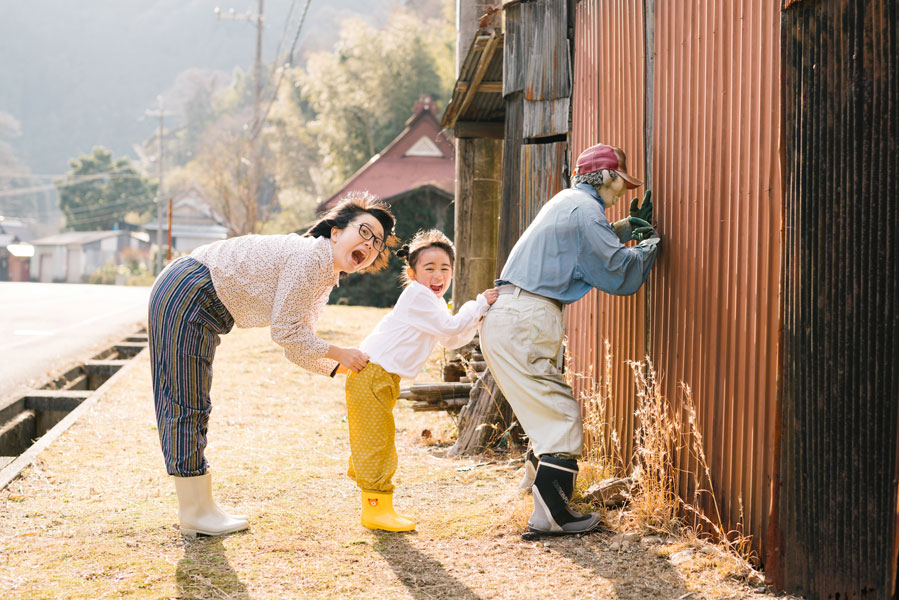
{"x": 531, "y": 463}
{"x": 198, "y": 512}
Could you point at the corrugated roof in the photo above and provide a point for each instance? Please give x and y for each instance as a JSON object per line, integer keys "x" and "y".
{"x": 477, "y": 95}
{"x": 76, "y": 237}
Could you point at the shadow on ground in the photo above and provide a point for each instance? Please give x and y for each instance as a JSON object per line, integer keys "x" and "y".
{"x": 660, "y": 580}
{"x": 424, "y": 577}
{"x": 204, "y": 572}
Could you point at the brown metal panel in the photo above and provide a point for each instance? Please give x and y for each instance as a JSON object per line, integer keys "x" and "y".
{"x": 837, "y": 502}
{"x": 717, "y": 180}
{"x": 608, "y": 107}
{"x": 713, "y": 296}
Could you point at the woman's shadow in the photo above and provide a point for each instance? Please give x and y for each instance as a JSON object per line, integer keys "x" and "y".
{"x": 204, "y": 572}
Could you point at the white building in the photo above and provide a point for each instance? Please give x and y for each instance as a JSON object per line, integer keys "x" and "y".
{"x": 71, "y": 256}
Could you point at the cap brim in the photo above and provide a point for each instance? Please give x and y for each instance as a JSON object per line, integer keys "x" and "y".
{"x": 630, "y": 182}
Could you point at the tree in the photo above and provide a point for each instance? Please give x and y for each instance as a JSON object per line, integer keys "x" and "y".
{"x": 99, "y": 192}
{"x": 223, "y": 167}
{"x": 363, "y": 91}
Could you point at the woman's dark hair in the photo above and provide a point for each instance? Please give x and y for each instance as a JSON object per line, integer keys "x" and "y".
{"x": 422, "y": 241}
{"x": 353, "y": 205}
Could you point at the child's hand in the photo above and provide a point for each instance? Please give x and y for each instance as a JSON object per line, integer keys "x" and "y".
{"x": 491, "y": 295}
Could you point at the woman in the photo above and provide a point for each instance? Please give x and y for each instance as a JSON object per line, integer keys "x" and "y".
{"x": 282, "y": 281}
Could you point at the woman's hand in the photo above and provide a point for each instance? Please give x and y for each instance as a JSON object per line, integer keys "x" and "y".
{"x": 491, "y": 295}
{"x": 352, "y": 358}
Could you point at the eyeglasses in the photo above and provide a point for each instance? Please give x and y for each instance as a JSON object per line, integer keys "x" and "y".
{"x": 366, "y": 233}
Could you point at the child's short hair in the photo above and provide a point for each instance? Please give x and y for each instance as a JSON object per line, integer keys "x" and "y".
{"x": 351, "y": 206}
{"x": 420, "y": 242}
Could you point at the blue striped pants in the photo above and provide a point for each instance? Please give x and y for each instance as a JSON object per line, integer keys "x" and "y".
{"x": 185, "y": 322}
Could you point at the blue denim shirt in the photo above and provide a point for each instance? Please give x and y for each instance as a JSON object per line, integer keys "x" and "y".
{"x": 570, "y": 247}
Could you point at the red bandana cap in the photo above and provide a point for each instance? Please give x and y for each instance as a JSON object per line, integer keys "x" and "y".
{"x": 601, "y": 156}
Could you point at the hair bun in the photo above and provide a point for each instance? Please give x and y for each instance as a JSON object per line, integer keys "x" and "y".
{"x": 403, "y": 252}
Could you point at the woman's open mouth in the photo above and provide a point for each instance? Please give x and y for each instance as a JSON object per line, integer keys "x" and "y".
{"x": 358, "y": 257}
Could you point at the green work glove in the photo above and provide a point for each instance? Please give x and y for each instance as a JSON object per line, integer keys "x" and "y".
{"x": 622, "y": 229}
{"x": 641, "y": 230}
{"x": 645, "y": 212}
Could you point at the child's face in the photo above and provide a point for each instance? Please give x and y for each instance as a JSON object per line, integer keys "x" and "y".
{"x": 433, "y": 270}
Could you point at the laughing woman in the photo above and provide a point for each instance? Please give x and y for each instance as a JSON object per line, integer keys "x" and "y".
{"x": 282, "y": 281}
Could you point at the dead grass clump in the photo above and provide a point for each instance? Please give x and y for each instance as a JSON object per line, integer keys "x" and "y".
{"x": 656, "y": 433}
{"x": 662, "y": 433}
{"x": 602, "y": 457}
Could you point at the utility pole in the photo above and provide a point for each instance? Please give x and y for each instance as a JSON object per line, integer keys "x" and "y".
{"x": 255, "y": 128}
{"x": 159, "y": 112}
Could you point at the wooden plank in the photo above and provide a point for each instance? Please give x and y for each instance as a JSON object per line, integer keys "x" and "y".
{"x": 485, "y": 87}
{"x": 475, "y": 129}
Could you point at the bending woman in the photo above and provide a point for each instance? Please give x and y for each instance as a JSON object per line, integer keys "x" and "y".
{"x": 282, "y": 281}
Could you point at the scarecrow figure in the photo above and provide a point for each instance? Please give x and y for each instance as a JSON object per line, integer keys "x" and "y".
{"x": 569, "y": 248}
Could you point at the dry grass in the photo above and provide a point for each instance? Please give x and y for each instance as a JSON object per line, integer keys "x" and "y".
{"x": 95, "y": 517}
{"x": 661, "y": 432}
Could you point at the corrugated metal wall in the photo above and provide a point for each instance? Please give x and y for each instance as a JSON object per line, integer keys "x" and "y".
{"x": 713, "y": 296}
{"x": 837, "y": 510}
{"x": 608, "y": 107}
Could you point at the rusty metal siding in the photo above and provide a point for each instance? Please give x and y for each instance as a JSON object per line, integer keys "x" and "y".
{"x": 608, "y": 106}
{"x": 509, "y": 228}
{"x": 714, "y": 301}
{"x": 547, "y": 46}
{"x": 515, "y": 49}
{"x": 837, "y": 509}
{"x": 543, "y": 170}
{"x": 537, "y": 63}
{"x": 713, "y": 296}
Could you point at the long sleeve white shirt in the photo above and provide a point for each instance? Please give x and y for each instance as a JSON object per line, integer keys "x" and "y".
{"x": 278, "y": 280}
{"x": 405, "y": 337}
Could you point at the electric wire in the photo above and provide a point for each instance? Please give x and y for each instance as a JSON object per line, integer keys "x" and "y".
{"x": 257, "y": 127}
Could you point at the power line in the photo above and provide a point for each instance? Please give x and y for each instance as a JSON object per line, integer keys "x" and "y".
{"x": 115, "y": 174}
{"x": 258, "y": 125}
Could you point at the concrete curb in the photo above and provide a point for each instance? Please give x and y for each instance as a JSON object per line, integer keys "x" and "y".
{"x": 13, "y": 469}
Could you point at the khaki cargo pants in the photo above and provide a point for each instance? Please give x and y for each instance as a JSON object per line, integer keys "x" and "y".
{"x": 521, "y": 339}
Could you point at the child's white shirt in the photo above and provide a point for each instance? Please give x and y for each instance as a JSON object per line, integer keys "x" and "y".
{"x": 405, "y": 337}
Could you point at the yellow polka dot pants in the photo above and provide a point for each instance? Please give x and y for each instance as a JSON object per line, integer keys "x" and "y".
{"x": 371, "y": 396}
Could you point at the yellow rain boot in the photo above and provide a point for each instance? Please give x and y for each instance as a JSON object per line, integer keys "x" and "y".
{"x": 378, "y": 513}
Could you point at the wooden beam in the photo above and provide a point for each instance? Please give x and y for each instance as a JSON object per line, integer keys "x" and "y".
{"x": 485, "y": 87}
{"x": 474, "y": 129}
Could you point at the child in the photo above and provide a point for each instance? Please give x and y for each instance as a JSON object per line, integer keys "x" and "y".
{"x": 398, "y": 347}
{"x": 282, "y": 281}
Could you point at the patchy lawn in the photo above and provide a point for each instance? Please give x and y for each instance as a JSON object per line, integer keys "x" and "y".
{"x": 95, "y": 516}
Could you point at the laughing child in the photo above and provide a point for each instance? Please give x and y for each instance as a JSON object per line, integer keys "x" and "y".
{"x": 399, "y": 347}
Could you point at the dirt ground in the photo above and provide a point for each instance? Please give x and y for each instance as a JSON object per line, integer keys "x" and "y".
{"x": 95, "y": 516}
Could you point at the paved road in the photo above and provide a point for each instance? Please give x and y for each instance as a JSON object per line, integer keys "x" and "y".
{"x": 47, "y": 327}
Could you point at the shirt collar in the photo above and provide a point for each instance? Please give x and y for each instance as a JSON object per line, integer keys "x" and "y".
{"x": 589, "y": 189}
{"x": 325, "y": 245}
{"x": 423, "y": 289}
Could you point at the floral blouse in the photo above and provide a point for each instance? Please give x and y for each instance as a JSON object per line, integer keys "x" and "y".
{"x": 278, "y": 280}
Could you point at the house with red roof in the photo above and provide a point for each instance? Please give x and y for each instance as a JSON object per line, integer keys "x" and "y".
{"x": 419, "y": 162}
{"x": 416, "y": 175}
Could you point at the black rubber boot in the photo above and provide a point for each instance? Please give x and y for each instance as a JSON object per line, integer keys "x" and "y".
{"x": 554, "y": 484}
